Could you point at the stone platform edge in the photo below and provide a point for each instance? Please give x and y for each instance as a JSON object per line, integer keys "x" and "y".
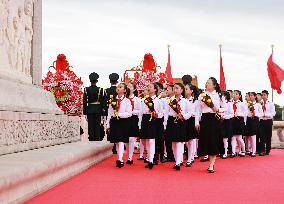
{"x": 21, "y": 131}
{"x": 26, "y": 183}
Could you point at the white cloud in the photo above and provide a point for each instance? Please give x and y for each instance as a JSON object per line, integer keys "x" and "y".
{"x": 111, "y": 36}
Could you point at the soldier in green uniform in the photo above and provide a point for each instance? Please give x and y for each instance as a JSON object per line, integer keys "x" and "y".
{"x": 93, "y": 101}
{"x": 186, "y": 79}
{"x": 111, "y": 91}
{"x": 113, "y": 78}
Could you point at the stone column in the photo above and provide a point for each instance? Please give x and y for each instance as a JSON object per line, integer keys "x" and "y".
{"x": 36, "y": 61}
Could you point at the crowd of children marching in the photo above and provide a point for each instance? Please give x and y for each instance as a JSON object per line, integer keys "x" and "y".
{"x": 181, "y": 120}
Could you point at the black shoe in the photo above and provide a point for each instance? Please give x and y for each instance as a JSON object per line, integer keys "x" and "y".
{"x": 176, "y": 167}
{"x": 196, "y": 157}
{"x": 146, "y": 161}
{"x": 204, "y": 159}
{"x": 224, "y": 156}
{"x": 232, "y": 155}
{"x": 164, "y": 160}
{"x": 262, "y": 154}
{"x": 150, "y": 165}
{"x": 188, "y": 164}
{"x": 155, "y": 162}
{"x": 120, "y": 164}
{"x": 181, "y": 164}
{"x": 242, "y": 154}
{"x": 117, "y": 163}
{"x": 130, "y": 162}
{"x": 253, "y": 155}
{"x": 267, "y": 153}
{"x": 211, "y": 171}
{"x": 248, "y": 153}
{"x": 140, "y": 158}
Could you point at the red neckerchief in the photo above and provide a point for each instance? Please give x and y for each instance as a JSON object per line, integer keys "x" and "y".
{"x": 118, "y": 103}
{"x": 235, "y": 106}
{"x": 264, "y": 106}
{"x": 132, "y": 102}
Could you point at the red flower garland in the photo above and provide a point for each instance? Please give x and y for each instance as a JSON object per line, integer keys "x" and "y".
{"x": 64, "y": 82}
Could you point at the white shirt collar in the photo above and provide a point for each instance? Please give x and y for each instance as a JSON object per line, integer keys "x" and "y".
{"x": 121, "y": 98}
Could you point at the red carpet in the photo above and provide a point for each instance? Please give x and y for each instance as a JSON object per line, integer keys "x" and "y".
{"x": 238, "y": 180}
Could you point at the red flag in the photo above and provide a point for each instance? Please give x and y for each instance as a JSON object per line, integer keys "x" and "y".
{"x": 275, "y": 74}
{"x": 222, "y": 76}
{"x": 169, "y": 69}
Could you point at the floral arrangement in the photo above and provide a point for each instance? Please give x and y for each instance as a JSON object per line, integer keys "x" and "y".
{"x": 114, "y": 104}
{"x": 65, "y": 86}
{"x": 206, "y": 99}
{"x": 176, "y": 107}
{"x": 251, "y": 108}
{"x": 150, "y": 104}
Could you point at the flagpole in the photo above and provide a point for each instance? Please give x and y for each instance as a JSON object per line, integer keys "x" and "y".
{"x": 272, "y": 52}
{"x": 220, "y": 46}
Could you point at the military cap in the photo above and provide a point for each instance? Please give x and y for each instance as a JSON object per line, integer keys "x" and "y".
{"x": 93, "y": 76}
{"x": 113, "y": 77}
{"x": 186, "y": 79}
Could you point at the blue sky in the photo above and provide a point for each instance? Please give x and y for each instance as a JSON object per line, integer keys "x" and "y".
{"x": 111, "y": 36}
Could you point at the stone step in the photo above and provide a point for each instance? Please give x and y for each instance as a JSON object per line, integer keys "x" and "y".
{"x": 26, "y": 174}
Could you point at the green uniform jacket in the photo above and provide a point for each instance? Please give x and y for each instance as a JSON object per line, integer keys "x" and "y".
{"x": 93, "y": 100}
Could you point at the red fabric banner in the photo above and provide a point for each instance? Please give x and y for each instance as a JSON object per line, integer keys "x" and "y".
{"x": 222, "y": 76}
{"x": 275, "y": 74}
{"x": 169, "y": 70}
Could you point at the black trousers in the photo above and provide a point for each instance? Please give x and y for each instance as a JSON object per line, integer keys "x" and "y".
{"x": 265, "y": 135}
{"x": 94, "y": 124}
{"x": 159, "y": 140}
{"x": 258, "y": 148}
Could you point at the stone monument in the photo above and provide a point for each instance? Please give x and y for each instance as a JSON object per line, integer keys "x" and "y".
{"x": 29, "y": 116}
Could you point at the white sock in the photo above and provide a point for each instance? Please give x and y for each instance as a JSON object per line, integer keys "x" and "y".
{"x": 179, "y": 152}
{"x": 195, "y": 146}
{"x": 174, "y": 146}
{"x": 241, "y": 143}
{"x": 234, "y": 144}
{"x": 120, "y": 150}
{"x": 131, "y": 147}
{"x": 253, "y": 144}
{"x": 142, "y": 143}
{"x": 225, "y": 141}
{"x": 190, "y": 147}
{"x": 165, "y": 150}
{"x": 151, "y": 149}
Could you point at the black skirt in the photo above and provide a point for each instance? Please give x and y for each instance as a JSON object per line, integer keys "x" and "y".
{"x": 148, "y": 128}
{"x": 210, "y": 135}
{"x": 191, "y": 131}
{"x": 226, "y": 128}
{"x": 252, "y": 126}
{"x": 176, "y": 130}
{"x": 134, "y": 128}
{"x": 119, "y": 130}
{"x": 238, "y": 124}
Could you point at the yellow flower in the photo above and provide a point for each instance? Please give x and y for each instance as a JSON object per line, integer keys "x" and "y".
{"x": 174, "y": 106}
{"x": 145, "y": 101}
{"x": 150, "y": 104}
{"x": 113, "y": 103}
{"x": 110, "y": 96}
{"x": 202, "y": 94}
{"x": 209, "y": 100}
